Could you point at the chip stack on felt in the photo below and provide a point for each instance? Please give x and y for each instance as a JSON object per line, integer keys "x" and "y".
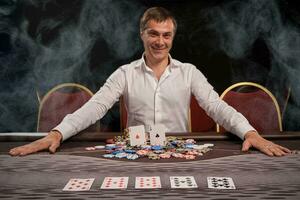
{"x": 136, "y": 143}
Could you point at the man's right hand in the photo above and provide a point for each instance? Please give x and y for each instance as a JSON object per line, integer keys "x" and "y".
{"x": 51, "y": 142}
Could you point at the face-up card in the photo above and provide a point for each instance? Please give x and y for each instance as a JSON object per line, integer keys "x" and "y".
{"x": 137, "y": 135}
{"x": 183, "y": 182}
{"x": 115, "y": 183}
{"x": 79, "y": 184}
{"x": 220, "y": 183}
{"x": 147, "y": 182}
{"x": 158, "y": 135}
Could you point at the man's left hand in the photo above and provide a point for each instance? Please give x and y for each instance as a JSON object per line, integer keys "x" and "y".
{"x": 253, "y": 139}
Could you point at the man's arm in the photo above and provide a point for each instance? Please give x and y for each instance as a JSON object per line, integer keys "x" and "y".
{"x": 229, "y": 118}
{"x": 50, "y": 142}
{"x": 73, "y": 123}
{"x": 253, "y": 139}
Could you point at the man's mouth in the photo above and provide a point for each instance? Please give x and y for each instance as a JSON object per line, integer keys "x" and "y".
{"x": 158, "y": 49}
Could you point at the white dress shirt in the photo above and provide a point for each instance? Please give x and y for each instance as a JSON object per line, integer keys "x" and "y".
{"x": 150, "y": 101}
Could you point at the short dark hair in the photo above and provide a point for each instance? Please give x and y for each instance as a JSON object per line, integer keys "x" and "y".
{"x": 158, "y": 14}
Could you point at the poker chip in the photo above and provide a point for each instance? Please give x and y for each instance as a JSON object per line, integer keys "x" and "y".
{"x": 164, "y": 155}
{"x": 199, "y": 147}
{"x": 99, "y": 147}
{"x": 192, "y": 152}
{"x": 130, "y": 151}
{"x": 108, "y": 155}
{"x": 117, "y": 152}
{"x": 189, "y": 146}
{"x": 132, "y": 156}
{"x": 180, "y": 150}
{"x": 208, "y": 145}
{"x": 146, "y": 147}
{"x": 121, "y": 155}
{"x": 110, "y": 147}
{"x": 175, "y": 148}
{"x": 177, "y": 155}
{"x": 156, "y": 147}
{"x": 189, "y": 157}
{"x": 190, "y": 141}
{"x": 158, "y": 151}
{"x": 142, "y": 152}
{"x": 90, "y": 148}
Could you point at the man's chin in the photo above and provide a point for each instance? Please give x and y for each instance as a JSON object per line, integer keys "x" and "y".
{"x": 160, "y": 55}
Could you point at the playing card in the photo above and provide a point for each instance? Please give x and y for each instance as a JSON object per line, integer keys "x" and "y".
{"x": 147, "y": 182}
{"x": 158, "y": 135}
{"x": 183, "y": 182}
{"x": 115, "y": 183}
{"x": 79, "y": 184}
{"x": 220, "y": 183}
{"x": 137, "y": 135}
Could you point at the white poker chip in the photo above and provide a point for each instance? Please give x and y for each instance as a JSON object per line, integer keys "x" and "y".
{"x": 90, "y": 148}
{"x": 208, "y": 145}
{"x": 199, "y": 147}
{"x": 99, "y": 147}
{"x": 110, "y": 145}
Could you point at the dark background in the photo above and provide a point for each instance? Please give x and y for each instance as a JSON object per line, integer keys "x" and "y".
{"x": 47, "y": 42}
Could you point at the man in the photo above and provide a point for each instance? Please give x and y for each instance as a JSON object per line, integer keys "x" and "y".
{"x": 157, "y": 90}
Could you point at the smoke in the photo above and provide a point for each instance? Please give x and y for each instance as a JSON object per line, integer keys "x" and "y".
{"x": 52, "y": 42}
{"x": 238, "y": 25}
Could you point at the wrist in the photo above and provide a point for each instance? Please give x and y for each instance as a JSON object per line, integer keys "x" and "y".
{"x": 56, "y": 134}
{"x": 251, "y": 134}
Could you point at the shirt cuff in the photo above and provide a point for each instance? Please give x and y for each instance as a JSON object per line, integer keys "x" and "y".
{"x": 242, "y": 129}
{"x": 65, "y": 129}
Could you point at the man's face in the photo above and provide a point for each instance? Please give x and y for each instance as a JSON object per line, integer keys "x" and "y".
{"x": 157, "y": 39}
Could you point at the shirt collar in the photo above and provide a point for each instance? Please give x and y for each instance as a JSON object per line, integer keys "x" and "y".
{"x": 142, "y": 63}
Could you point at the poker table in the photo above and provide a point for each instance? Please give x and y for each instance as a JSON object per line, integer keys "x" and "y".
{"x": 255, "y": 175}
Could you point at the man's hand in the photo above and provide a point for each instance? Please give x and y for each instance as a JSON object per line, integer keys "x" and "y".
{"x": 51, "y": 142}
{"x": 253, "y": 139}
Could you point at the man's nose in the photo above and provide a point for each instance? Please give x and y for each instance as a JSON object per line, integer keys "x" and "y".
{"x": 160, "y": 40}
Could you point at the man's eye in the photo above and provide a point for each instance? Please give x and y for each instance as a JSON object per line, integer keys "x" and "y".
{"x": 153, "y": 34}
{"x": 167, "y": 36}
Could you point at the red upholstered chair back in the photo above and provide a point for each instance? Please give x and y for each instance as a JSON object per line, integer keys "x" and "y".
{"x": 256, "y": 103}
{"x": 199, "y": 120}
{"x": 60, "y": 101}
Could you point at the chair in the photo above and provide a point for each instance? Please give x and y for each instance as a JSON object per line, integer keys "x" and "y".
{"x": 283, "y": 102}
{"x": 198, "y": 119}
{"x": 61, "y": 100}
{"x": 256, "y": 103}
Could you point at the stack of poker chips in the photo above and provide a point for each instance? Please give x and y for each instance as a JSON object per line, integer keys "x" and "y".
{"x": 174, "y": 148}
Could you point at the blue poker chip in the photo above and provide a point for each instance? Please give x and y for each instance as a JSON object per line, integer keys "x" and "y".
{"x": 189, "y": 146}
{"x": 116, "y": 152}
{"x": 110, "y": 147}
{"x": 130, "y": 151}
{"x": 174, "y": 143}
{"x": 121, "y": 155}
{"x": 108, "y": 155}
{"x": 157, "y": 147}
